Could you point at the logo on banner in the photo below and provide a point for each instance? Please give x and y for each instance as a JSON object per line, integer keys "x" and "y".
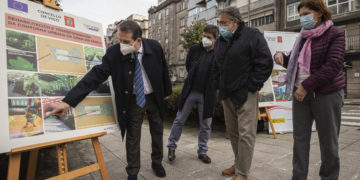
{"x": 91, "y": 28}
{"x": 69, "y": 21}
{"x": 279, "y": 39}
{"x": 18, "y": 5}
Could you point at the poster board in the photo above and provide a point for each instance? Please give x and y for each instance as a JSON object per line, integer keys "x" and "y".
{"x": 281, "y": 113}
{"x": 44, "y": 53}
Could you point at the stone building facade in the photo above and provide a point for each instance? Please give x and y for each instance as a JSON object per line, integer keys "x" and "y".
{"x": 167, "y": 22}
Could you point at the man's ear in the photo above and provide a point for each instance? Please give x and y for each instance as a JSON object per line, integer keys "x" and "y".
{"x": 236, "y": 21}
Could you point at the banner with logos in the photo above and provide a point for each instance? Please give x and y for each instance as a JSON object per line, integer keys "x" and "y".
{"x": 44, "y": 54}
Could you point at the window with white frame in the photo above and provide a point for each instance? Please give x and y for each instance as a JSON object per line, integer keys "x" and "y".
{"x": 340, "y": 6}
{"x": 166, "y": 27}
{"x": 292, "y": 12}
{"x": 182, "y": 55}
{"x": 181, "y": 73}
{"x": 159, "y": 16}
{"x": 182, "y": 7}
{"x": 167, "y": 12}
{"x": 182, "y": 22}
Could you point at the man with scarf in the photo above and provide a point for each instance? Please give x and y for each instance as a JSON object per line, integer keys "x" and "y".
{"x": 199, "y": 89}
{"x": 245, "y": 63}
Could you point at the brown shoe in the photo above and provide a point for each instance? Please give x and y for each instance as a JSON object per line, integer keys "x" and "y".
{"x": 229, "y": 171}
{"x": 239, "y": 178}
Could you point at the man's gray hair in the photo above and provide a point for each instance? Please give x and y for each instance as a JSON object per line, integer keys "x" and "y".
{"x": 233, "y": 12}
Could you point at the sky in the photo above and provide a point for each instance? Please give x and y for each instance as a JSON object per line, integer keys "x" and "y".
{"x": 109, "y": 12}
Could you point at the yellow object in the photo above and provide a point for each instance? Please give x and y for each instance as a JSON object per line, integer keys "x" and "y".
{"x": 279, "y": 120}
{"x": 51, "y": 4}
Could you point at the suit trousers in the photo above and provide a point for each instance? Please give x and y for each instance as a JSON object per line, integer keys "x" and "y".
{"x": 133, "y": 134}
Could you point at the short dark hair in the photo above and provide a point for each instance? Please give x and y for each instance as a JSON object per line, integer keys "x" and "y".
{"x": 129, "y": 26}
{"x": 318, "y": 6}
{"x": 233, "y": 12}
{"x": 212, "y": 29}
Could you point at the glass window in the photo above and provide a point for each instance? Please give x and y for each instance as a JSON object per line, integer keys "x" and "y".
{"x": 159, "y": 16}
{"x": 182, "y": 55}
{"x": 340, "y": 6}
{"x": 181, "y": 73}
{"x": 343, "y": 8}
{"x": 331, "y": 2}
{"x": 167, "y": 12}
{"x": 192, "y": 12}
{"x": 210, "y": 4}
{"x": 182, "y": 7}
{"x": 292, "y": 12}
{"x": 182, "y": 22}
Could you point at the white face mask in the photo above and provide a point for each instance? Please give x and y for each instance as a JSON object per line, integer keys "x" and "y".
{"x": 126, "y": 48}
{"x": 206, "y": 42}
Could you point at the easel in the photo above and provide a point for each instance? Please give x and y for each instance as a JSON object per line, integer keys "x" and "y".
{"x": 15, "y": 157}
{"x": 265, "y": 113}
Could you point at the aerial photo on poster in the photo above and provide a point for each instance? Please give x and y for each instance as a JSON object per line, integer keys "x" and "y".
{"x": 53, "y": 123}
{"x": 25, "y": 117}
{"x": 56, "y": 56}
{"x": 93, "y": 112}
{"x": 21, "y": 51}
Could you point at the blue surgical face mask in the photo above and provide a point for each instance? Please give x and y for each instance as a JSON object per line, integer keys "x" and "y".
{"x": 224, "y": 31}
{"x": 307, "y": 21}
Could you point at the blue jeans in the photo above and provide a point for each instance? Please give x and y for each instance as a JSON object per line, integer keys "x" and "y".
{"x": 194, "y": 97}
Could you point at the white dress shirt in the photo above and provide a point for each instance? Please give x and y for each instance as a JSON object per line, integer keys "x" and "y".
{"x": 147, "y": 85}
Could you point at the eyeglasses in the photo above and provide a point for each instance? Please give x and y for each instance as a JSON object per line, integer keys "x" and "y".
{"x": 222, "y": 23}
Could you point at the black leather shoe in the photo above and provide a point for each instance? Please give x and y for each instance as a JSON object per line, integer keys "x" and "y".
{"x": 171, "y": 155}
{"x": 159, "y": 170}
{"x": 204, "y": 158}
{"x": 132, "y": 177}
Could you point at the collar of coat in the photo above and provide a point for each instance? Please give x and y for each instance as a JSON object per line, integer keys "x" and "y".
{"x": 146, "y": 49}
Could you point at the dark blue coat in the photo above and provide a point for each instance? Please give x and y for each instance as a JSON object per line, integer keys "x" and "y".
{"x": 244, "y": 62}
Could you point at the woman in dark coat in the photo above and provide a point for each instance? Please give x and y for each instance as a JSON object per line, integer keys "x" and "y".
{"x": 315, "y": 77}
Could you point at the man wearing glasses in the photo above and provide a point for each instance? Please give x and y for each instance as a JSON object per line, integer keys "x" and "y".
{"x": 245, "y": 63}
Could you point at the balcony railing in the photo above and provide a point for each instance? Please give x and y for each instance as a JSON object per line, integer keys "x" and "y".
{"x": 353, "y": 38}
{"x": 353, "y": 43}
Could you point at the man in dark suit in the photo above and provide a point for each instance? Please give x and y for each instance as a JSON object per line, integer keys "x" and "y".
{"x": 141, "y": 84}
